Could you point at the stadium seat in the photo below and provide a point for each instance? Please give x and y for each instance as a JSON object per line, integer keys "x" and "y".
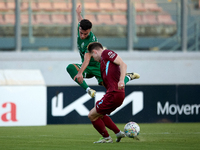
{"x": 199, "y": 4}
{"x": 69, "y": 6}
{"x": 120, "y": 6}
{"x": 91, "y": 1}
{"x": 61, "y": 6}
{"x": 25, "y": 6}
{"x": 69, "y": 19}
{"x": 150, "y": 19}
{"x": 59, "y": 19}
{"x": 119, "y": 1}
{"x": 166, "y": 19}
{"x": 43, "y": 19}
{"x": 92, "y": 18}
{"x": 25, "y": 19}
{"x": 9, "y": 19}
{"x": 10, "y": 5}
{"x": 150, "y": 1}
{"x": 3, "y": 6}
{"x": 139, "y": 20}
{"x": 91, "y": 6}
{"x": 107, "y": 6}
{"x": 139, "y": 7}
{"x": 120, "y": 19}
{"x": 152, "y": 7}
{"x": 2, "y": 22}
{"x": 104, "y": 19}
{"x": 34, "y": 6}
{"x": 46, "y": 6}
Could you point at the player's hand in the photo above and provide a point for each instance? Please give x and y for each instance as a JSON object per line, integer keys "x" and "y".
{"x": 79, "y": 77}
{"x": 78, "y": 9}
{"x": 121, "y": 85}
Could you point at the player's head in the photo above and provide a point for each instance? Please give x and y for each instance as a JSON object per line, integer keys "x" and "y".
{"x": 94, "y": 46}
{"x": 95, "y": 49}
{"x": 85, "y": 28}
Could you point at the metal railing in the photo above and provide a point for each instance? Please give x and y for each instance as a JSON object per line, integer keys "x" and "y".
{"x": 187, "y": 37}
{"x": 181, "y": 40}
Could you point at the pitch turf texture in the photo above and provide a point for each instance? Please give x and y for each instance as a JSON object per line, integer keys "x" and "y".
{"x": 160, "y": 136}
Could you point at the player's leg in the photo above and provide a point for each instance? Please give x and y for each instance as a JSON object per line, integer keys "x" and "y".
{"x": 73, "y": 69}
{"x": 131, "y": 76}
{"x": 110, "y": 102}
{"x": 99, "y": 125}
{"x": 111, "y": 125}
{"x": 128, "y": 77}
{"x": 118, "y": 98}
{"x": 96, "y": 72}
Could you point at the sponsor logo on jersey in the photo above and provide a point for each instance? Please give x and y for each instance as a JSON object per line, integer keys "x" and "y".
{"x": 82, "y": 45}
{"x": 111, "y": 54}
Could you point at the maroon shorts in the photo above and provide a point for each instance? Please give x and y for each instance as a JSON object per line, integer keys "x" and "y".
{"x": 109, "y": 102}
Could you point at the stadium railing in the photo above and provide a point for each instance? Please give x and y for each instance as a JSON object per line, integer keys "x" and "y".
{"x": 152, "y": 19}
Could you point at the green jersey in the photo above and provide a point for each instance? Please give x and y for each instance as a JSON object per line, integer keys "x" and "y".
{"x": 82, "y": 46}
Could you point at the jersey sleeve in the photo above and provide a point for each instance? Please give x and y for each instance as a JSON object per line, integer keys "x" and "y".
{"x": 109, "y": 55}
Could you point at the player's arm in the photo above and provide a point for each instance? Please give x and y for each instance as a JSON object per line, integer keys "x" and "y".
{"x": 85, "y": 63}
{"x": 123, "y": 68}
{"x": 78, "y": 12}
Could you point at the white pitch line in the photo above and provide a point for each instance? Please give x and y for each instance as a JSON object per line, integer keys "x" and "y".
{"x": 168, "y": 133}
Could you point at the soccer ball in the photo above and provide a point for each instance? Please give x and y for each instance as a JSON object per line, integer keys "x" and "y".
{"x": 132, "y": 129}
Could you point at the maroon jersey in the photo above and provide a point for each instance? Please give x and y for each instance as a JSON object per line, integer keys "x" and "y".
{"x": 110, "y": 72}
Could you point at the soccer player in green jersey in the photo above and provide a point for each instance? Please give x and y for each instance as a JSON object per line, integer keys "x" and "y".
{"x": 89, "y": 67}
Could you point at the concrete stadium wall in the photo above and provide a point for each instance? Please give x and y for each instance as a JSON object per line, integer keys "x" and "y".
{"x": 155, "y": 68}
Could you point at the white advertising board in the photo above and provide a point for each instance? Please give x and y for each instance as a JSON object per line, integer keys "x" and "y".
{"x": 23, "y": 105}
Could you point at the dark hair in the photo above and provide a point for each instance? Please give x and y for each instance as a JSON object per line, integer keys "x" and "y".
{"x": 85, "y": 24}
{"x": 94, "y": 45}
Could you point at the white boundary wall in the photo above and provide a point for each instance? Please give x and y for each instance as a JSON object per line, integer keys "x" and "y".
{"x": 23, "y": 105}
{"x": 23, "y": 98}
{"x": 153, "y": 67}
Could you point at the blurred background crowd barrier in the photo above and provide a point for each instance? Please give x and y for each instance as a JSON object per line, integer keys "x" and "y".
{"x": 48, "y": 25}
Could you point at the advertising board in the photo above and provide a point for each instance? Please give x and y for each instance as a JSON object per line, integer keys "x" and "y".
{"x": 156, "y": 103}
{"x": 23, "y": 105}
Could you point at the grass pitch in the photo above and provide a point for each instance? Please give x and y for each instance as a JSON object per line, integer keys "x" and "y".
{"x": 160, "y": 136}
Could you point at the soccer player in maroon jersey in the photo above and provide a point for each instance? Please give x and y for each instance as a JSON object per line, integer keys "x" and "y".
{"x": 113, "y": 71}
{"x": 89, "y": 68}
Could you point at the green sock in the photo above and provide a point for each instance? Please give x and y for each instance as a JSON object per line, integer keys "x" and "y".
{"x": 71, "y": 69}
{"x": 126, "y": 79}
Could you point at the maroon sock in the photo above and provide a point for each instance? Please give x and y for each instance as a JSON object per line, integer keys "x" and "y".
{"x": 110, "y": 124}
{"x": 100, "y": 127}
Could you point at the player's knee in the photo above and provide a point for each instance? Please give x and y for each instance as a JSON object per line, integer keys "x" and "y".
{"x": 90, "y": 117}
{"x": 93, "y": 116}
{"x": 70, "y": 67}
